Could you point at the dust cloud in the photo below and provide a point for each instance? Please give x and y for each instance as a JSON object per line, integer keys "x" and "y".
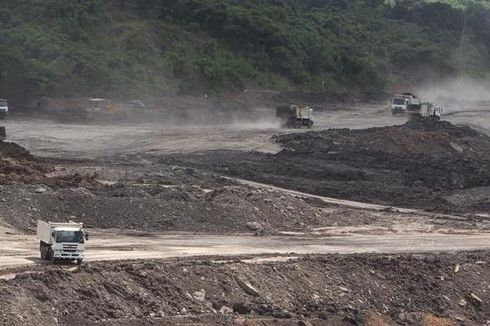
{"x": 458, "y": 93}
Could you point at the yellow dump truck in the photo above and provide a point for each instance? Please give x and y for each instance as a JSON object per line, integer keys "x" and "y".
{"x": 295, "y": 116}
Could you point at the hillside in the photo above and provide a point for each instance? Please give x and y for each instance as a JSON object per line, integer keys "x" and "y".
{"x": 132, "y": 48}
{"x": 463, "y": 3}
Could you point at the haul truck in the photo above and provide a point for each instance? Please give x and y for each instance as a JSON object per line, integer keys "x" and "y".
{"x": 4, "y": 108}
{"x": 424, "y": 111}
{"x": 295, "y": 116}
{"x": 61, "y": 241}
{"x": 400, "y": 103}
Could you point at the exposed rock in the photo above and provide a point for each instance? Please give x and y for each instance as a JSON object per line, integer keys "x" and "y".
{"x": 247, "y": 287}
{"x": 254, "y": 226}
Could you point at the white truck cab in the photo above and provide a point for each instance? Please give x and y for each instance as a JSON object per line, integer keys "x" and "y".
{"x": 399, "y": 105}
{"x": 61, "y": 241}
{"x": 4, "y": 108}
{"x": 401, "y": 102}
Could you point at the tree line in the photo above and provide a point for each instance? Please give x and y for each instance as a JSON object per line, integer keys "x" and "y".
{"x": 136, "y": 48}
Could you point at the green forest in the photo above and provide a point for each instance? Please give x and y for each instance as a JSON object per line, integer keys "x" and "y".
{"x": 142, "y": 48}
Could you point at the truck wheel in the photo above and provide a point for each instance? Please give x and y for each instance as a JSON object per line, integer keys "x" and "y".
{"x": 50, "y": 255}
{"x": 42, "y": 250}
{"x": 298, "y": 124}
{"x": 79, "y": 261}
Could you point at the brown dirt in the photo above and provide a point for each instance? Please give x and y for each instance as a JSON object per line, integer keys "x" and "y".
{"x": 198, "y": 203}
{"x": 415, "y": 165}
{"x": 432, "y": 165}
{"x": 18, "y": 165}
{"x": 334, "y": 289}
{"x": 154, "y": 198}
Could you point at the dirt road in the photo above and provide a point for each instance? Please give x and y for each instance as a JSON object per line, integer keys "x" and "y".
{"x": 47, "y": 138}
{"x": 20, "y": 250}
{"x": 328, "y": 200}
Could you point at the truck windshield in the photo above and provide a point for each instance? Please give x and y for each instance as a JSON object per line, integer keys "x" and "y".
{"x": 399, "y": 101}
{"x": 69, "y": 236}
{"x": 3, "y": 102}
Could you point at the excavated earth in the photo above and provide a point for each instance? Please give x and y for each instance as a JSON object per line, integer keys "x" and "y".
{"x": 429, "y": 289}
{"x": 155, "y": 198}
{"x": 431, "y": 165}
{"x": 425, "y": 164}
{"x": 17, "y": 165}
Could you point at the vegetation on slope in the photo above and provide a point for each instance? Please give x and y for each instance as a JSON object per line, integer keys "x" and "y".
{"x": 134, "y": 48}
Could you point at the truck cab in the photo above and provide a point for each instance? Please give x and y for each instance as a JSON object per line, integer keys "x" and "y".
{"x": 4, "y": 108}
{"x": 400, "y": 103}
{"x": 61, "y": 241}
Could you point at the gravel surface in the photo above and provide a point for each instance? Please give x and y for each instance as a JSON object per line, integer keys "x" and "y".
{"x": 442, "y": 289}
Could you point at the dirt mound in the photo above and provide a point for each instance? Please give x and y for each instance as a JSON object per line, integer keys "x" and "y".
{"x": 417, "y": 164}
{"x": 223, "y": 209}
{"x": 158, "y": 198}
{"x": 17, "y": 165}
{"x": 426, "y": 137}
{"x": 14, "y": 151}
{"x": 335, "y": 289}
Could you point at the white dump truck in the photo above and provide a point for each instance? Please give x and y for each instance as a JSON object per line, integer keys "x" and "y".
{"x": 4, "y": 108}
{"x": 425, "y": 111}
{"x": 61, "y": 241}
{"x": 400, "y": 103}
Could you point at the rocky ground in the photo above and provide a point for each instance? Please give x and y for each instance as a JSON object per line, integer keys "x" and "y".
{"x": 155, "y": 198}
{"x": 110, "y": 181}
{"x": 446, "y": 168}
{"x": 432, "y": 165}
{"x": 429, "y": 289}
{"x": 18, "y": 166}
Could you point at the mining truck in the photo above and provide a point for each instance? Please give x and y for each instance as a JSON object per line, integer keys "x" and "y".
{"x": 4, "y": 108}
{"x": 400, "y": 103}
{"x": 61, "y": 241}
{"x": 424, "y": 111}
{"x": 295, "y": 116}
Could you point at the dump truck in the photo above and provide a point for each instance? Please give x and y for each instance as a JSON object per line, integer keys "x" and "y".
{"x": 4, "y": 108}
{"x": 424, "y": 111}
{"x": 400, "y": 103}
{"x": 61, "y": 241}
{"x": 295, "y": 116}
